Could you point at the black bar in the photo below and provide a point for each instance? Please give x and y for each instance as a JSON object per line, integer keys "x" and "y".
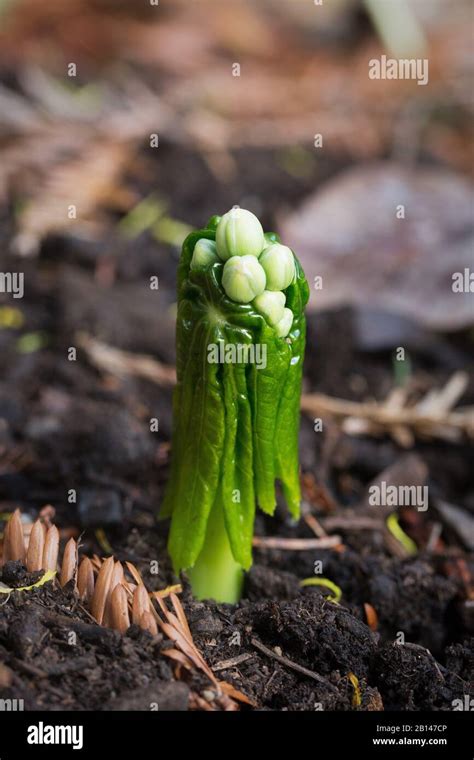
{"x": 317, "y": 735}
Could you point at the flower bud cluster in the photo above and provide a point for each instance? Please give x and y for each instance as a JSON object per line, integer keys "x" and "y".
{"x": 255, "y": 270}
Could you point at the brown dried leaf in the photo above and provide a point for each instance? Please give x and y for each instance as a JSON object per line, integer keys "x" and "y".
{"x": 148, "y": 623}
{"x": 180, "y": 614}
{"x": 140, "y": 604}
{"x": 69, "y": 564}
{"x": 183, "y": 639}
{"x": 96, "y": 562}
{"x": 231, "y": 691}
{"x": 117, "y": 576}
{"x": 85, "y": 580}
{"x": 119, "y": 619}
{"x": 102, "y": 589}
{"x": 180, "y": 641}
{"x": 34, "y": 555}
{"x": 134, "y": 573}
{"x": 372, "y": 617}
{"x": 175, "y": 654}
{"x": 51, "y": 549}
{"x": 15, "y": 539}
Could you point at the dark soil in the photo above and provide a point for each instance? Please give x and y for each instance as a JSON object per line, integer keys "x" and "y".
{"x": 65, "y": 425}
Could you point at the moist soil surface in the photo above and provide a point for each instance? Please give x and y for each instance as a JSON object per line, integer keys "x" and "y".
{"x": 69, "y": 425}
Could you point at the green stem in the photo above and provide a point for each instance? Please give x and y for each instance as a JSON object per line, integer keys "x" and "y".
{"x": 216, "y": 574}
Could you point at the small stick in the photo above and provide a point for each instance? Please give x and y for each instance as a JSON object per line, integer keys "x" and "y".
{"x": 314, "y": 525}
{"x": 293, "y": 665}
{"x": 232, "y": 662}
{"x": 296, "y": 544}
{"x": 353, "y": 523}
{"x": 121, "y": 363}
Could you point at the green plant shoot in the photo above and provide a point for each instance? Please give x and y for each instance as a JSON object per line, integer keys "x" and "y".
{"x": 240, "y": 342}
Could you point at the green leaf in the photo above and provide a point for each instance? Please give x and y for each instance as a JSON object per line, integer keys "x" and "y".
{"x": 287, "y": 431}
{"x": 199, "y": 450}
{"x": 237, "y": 489}
{"x": 264, "y": 391}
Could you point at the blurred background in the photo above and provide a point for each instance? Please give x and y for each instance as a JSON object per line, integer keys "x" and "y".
{"x": 123, "y": 126}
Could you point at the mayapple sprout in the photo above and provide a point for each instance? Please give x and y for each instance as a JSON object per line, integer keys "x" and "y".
{"x": 239, "y": 233}
{"x": 271, "y": 305}
{"x": 279, "y": 264}
{"x": 243, "y": 278}
{"x": 205, "y": 254}
{"x": 236, "y": 420}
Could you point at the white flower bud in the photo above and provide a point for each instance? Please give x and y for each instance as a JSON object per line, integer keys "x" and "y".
{"x": 239, "y": 233}
{"x": 279, "y": 265}
{"x": 284, "y": 325}
{"x": 243, "y": 278}
{"x": 271, "y": 304}
{"x": 204, "y": 254}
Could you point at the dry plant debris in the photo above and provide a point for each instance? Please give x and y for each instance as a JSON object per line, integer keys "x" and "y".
{"x": 174, "y": 625}
{"x": 39, "y": 552}
{"x": 123, "y": 363}
{"x": 114, "y": 600}
{"x": 91, "y": 181}
{"x": 430, "y": 417}
{"x": 101, "y": 585}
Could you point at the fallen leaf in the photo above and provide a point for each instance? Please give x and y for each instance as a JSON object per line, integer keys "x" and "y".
{"x": 348, "y": 234}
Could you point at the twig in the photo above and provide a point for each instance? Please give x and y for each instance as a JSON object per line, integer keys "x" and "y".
{"x": 314, "y": 525}
{"x": 296, "y": 544}
{"x": 353, "y": 523}
{"x": 430, "y": 417}
{"x": 121, "y": 363}
{"x": 232, "y": 662}
{"x": 293, "y": 665}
